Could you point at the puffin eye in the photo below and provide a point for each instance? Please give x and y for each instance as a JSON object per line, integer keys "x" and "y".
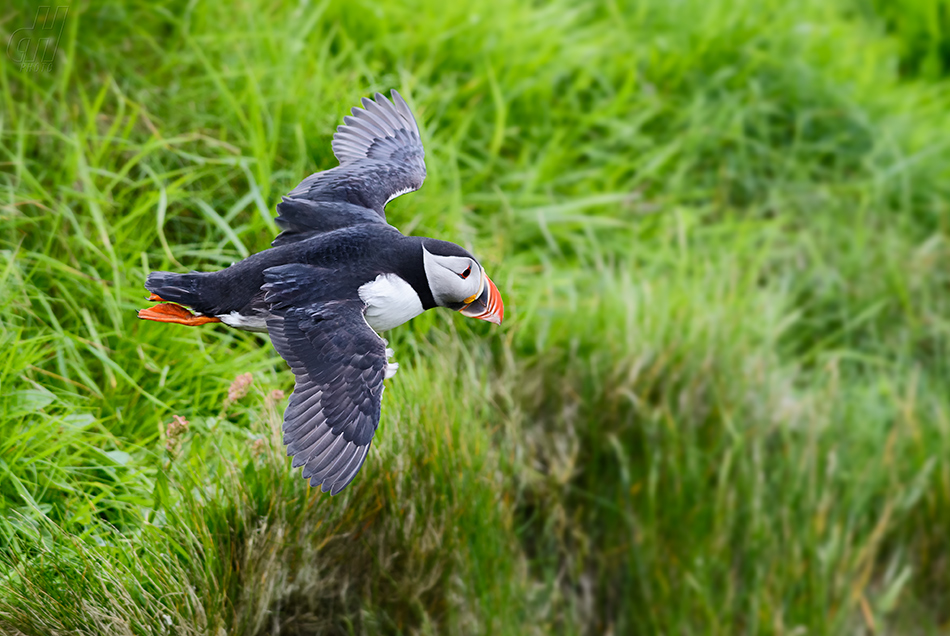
{"x": 465, "y": 274}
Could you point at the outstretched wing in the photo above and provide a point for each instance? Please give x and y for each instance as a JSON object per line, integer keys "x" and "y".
{"x": 383, "y": 131}
{"x": 339, "y": 363}
{"x": 381, "y": 157}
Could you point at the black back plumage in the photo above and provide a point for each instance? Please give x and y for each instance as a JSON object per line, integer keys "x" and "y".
{"x": 302, "y": 218}
{"x": 357, "y": 254}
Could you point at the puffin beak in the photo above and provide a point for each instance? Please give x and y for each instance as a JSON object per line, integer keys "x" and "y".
{"x": 487, "y": 305}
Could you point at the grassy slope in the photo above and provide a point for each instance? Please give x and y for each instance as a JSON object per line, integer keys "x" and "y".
{"x": 718, "y": 403}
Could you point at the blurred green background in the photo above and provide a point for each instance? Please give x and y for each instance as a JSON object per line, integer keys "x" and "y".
{"x": 719, "y": 401}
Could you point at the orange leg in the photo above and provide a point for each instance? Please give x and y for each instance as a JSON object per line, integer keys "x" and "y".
{"x": 176, "y": 314}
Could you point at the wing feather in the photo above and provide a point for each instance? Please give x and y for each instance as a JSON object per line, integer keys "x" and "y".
{"x": 381, "y": 157}
{"x": 351, "y": 471}
{"x": 339, "y": 364}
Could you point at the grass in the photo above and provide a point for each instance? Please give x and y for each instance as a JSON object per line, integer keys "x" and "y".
{"x": 719, "y": 400}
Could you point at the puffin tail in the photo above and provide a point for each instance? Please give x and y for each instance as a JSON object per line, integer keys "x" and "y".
{"x": 173, "y": 291}
{"x": 174, "y": 288}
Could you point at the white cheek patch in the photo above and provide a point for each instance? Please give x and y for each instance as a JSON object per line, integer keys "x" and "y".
{"x": 444, "y": 274}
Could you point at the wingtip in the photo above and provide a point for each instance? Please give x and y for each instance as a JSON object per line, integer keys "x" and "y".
{"x": 400, "y": 101}
{"x": 404, "y": 110}
{"x": 379, "y": 127}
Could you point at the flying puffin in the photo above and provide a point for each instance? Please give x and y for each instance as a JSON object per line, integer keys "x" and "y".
{"x": 335, "y": 276}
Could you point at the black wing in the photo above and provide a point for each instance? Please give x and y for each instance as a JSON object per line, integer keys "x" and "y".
{"x": 381, "y": 157}
{"x": 339, "y": 363}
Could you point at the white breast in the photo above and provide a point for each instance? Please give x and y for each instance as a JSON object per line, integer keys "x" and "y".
{"x": 390, "y": 301}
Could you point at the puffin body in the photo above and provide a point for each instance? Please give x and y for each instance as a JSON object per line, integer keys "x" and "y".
{"x": 336, "y": 275}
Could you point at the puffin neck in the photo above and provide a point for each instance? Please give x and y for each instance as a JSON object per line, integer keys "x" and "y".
{"x": 413, "y": 271}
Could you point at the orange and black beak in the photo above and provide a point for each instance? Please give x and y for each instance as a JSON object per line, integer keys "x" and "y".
{"x": 486, "y": 304}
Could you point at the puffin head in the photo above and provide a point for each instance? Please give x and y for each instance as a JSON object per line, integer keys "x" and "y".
{"x": 457, "y": 281}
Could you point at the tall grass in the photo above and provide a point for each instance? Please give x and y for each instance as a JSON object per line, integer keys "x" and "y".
{"x": 921, "y": 30}
{"x": 718, "y": 403}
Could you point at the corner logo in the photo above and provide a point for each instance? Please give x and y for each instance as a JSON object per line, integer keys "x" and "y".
{"x": 34, "y": 47}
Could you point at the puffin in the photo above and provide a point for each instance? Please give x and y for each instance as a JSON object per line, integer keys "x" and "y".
{"x": 335, "y": 277}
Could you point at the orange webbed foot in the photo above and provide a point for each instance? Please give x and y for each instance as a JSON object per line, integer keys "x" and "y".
{"x": 177, "y": 314}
